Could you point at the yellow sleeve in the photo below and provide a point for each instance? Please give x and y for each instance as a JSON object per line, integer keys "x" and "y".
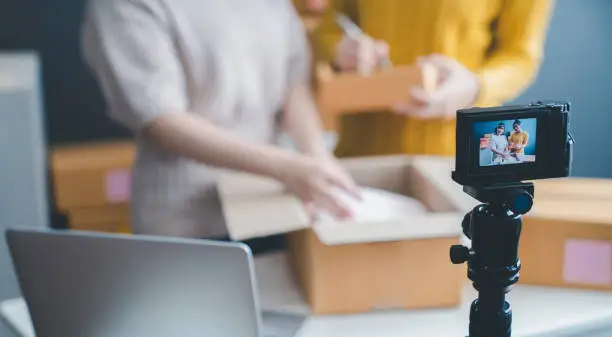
{"x": 515, "y": 61}
{"x": 328, "y": 34}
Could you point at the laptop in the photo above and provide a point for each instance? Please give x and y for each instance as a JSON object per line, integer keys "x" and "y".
{"x": 86, "y": 284}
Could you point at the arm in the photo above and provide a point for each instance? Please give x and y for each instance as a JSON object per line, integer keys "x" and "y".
{"x": 302, "y": 122}
{"x": 514, "y": 63}
{"x": 497, "y": 152}
{"x": 301, "y": 116}
{"x": 193, "y": 137}
{"x": 142, "y": 79}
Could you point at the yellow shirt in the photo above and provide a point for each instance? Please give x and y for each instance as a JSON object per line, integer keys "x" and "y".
{"x": 515, "y": 138}
{"x": 500, "y": 40}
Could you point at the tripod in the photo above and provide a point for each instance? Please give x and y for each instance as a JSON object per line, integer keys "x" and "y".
{"x": 493, "y": 264}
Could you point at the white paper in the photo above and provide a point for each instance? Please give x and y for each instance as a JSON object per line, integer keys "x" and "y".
{"x": 376, "y": 205}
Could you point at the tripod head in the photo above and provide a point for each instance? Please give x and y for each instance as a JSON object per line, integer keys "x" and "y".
{"x": 494, "y": 228}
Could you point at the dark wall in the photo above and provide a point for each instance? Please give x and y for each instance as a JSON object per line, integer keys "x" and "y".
{"x": 74, "y": 105}
{"x": 577, "y": 67}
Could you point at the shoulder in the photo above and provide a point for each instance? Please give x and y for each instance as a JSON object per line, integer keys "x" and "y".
{"x": 125, "y": 9}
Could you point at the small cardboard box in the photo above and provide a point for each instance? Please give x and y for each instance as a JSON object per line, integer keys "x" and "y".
{"x": 567, "y": 236}
{"x": 92, "y": 175}
{"x": 112, "y": 218}
{"x": 105, "y": 227}
{"x": 357, "y": 267}
{"x": 344, "y": 93}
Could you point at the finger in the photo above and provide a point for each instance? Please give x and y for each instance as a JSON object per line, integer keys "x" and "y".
{"x": 329, "y": 202}
{"x": 437, "y": 58}
{"x": 382, "y": 51}
{"x": 401, "y": 108}
{"x": 444, "y": 62}
{"x": 422, "y": 113}
{"x": 426, "y": 59}
{"x": 420, "y": 97}
{"x": 346, "y": 183}
{"x": 317, "y": 5}
{"x": 305, "y": 195}
{"x": 409, "y": 109}
{"x": 366, "y": 59}
{"x": 312, "y": 211}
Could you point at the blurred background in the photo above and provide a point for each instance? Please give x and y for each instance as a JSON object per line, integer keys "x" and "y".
{"x": 576, "y": 68}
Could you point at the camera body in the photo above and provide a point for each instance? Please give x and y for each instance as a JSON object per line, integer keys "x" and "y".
{"x": 509, "y": 144}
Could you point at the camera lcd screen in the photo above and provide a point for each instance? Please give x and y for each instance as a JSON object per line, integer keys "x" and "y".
{"x": 506, "y": 142}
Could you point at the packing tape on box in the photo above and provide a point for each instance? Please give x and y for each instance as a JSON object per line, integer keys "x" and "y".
{"x": 588, "y": 262}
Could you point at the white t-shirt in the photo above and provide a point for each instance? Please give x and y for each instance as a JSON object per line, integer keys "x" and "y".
{"x": 499, "y": 143}
{"x": 231, "y": 62}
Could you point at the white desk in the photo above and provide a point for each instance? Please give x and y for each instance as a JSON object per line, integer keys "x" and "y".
{"x": 538, "y": 311}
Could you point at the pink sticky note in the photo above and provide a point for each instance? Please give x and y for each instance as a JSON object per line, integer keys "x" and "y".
{"x": 588, "y": 262}
{"x": 118, "y": 186}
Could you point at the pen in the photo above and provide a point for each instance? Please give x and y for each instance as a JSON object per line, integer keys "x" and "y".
{"x": 354, "y": 32}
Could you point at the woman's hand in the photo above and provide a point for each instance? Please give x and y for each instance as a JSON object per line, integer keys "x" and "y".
{"x": 457, "y": 88}
{"x": 317, "y": 6}
{"x": 363, "y": 54}
{"x": 313, "y": 180}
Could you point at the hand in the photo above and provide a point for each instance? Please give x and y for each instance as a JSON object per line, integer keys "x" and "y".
{"x": 363, "y": 54}
{"x": 313, "y": 180}
{"x": 457, "y": 88}
{"x": 316, "y": 5}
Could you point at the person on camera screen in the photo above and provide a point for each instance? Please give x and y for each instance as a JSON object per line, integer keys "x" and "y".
{"x": 499, "y": 145}
{"x": 518, "y": 141}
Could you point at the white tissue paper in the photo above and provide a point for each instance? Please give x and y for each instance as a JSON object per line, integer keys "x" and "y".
{"x": 376, "y": 205}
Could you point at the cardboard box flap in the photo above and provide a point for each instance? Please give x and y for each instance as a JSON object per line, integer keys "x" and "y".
{"x": 255, "y": 206}
{"x": 380, "y": 90}
{"x": 584, "y": 211}
{"x": 337, "y": 91}
{"x": 437, "y": 171}
{"x": 573, "y": 199}
{"x": 259, "y": 217}
{"x": 420, "y": 226}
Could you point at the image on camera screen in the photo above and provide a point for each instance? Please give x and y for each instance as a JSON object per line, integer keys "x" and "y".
{"x": 506, "y": 142}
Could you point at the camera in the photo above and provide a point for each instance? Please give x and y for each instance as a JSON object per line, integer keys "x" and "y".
{"x": 509, "y": 144}
{"x": 498, "y": 151}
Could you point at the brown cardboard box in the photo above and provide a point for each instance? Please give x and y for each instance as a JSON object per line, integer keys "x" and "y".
{"x": 353, "y": 93}
{"x": 567, "y": 236}
{"x": 113, "y": 218}
{"x": 357, "y": 267}
{"x": 107, "y": 227}
{"x": 112, "y": 213}
{"x": 92, "y": 175}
